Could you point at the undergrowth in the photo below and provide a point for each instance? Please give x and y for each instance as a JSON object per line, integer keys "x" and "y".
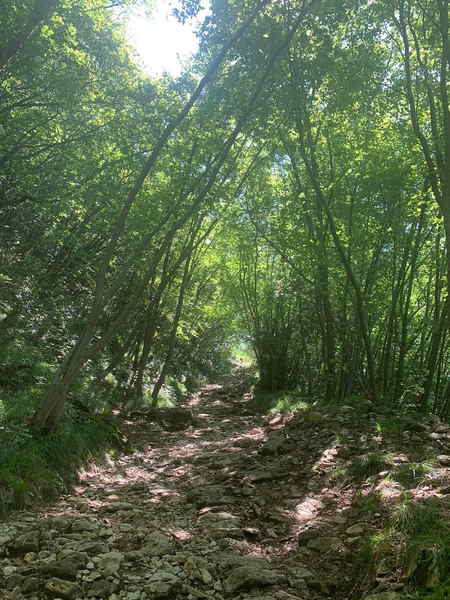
{"x": 35, "y": 467}
{"x": 415, "y": 544}
{"x": 369, "y": 464}
{"x": 277, "y": 402}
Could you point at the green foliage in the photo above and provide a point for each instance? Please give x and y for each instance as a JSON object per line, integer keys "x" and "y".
{"x": 36, "y": 467}
{"x": 264, "y": 402}
{"x": 412, "y": 474}
{"x": 440, "y": 591}
{"x": 416, "y": 540}
{"x": 298, "y": 205}
{"x": 369, "y": 503}
{"x": 413, "y": 518}
{"x": 369, "y": 464}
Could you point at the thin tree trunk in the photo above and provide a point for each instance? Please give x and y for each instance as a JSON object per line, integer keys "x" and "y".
{"x": 404, "y": 321}
{"x": 52, "y": 405}
{"x": 173, "y": 333}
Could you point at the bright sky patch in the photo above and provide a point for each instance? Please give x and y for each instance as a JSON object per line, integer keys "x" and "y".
{"x": 162, "y": 43}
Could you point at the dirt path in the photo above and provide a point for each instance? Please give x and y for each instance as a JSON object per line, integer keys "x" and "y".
{"x": 189, "y": 514}
{"x": 233, "y": 506}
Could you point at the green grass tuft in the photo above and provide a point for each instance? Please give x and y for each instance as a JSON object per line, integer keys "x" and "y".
{"x": 415, "y": 542}
{"x": 369, "y": 464}
{"x": 412, "y": 474}
{"x": 264, "y": 402}
{"x": 36, "y": 467}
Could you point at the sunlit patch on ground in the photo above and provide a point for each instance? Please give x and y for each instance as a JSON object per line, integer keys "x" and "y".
{"x": 308, "y": 509}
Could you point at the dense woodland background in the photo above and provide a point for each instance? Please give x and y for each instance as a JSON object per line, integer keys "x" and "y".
{"x": 283, "y": 206}
{"x": 290, "y": 190}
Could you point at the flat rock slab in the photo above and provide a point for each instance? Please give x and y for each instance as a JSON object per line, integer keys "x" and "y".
{"x": 63, "y": 569}
{"x": 324, "y": 544}
{"x": 157, "y": 544}
{"x": 213, "y": 495}
{"x": 58, "y": 588}
{"x": 109, "y": 563}
{"x": 248, "y": 577}
{"x": 263, "y": 476}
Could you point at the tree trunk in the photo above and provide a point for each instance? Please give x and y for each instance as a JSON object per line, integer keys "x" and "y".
{"x": 173, "y": 332}
{"x": 52, "y": 404}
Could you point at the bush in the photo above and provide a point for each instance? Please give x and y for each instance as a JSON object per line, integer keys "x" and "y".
{"x": 35, "y": 467}
{"x": 415, "y": 542}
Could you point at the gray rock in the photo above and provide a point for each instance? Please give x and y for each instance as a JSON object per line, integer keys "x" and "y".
{"x": 67, "y": 568}
{"x": 324, "y": 544}
{"x": 206, "y": 576}
{"x": 383, "y": 596}
{"x": 300, "y": 573}
{"x": 105, "y": 532}
{"x": 444, "y": 460}
{"x": 248, "y": 577}
{"x": 30, "y": 585}
{"x": 157, "y": 544}
{"x": 80, "y": 525}
{"x": 118, "y": 506}
{"x": 70, "y": 553}
{"x": 110, "y": 562}
{"x": 276, "y": 443}
{"x": 219, "y": 519}
{"x": 282, "y": 595}
{"x": 5, "y": 539}
{"x": 340, "y": 519}
{"x": 93, "y": 547}
{"x": 14, "y": 580}
{"x": 162, "y": 584}
{"x": 93, "y": 576}
{"x": 263, "y": 476}
{"x": 227, "y": 560}
{"x": 221, "y": 524}
{"x": 197, "y": 568}
{"x": 16, "y": 594}
{"x": 75, "y": 536}
{"x": 60, "y": 588}
{"x": 440, "y": 427}
{"x": 100, "y": 589}
{"x": 28, "y": 542}
{"x": 355, "y": 530}
{"x": 211, "y": 495}
{"x": 58, "y": 523}
{"x": 9, "y": 570}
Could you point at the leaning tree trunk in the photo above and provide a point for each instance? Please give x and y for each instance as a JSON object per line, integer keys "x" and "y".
{"x": 435, "y": 149}
{"x": 52, "y": 405}
{"x": 173, "y": 332}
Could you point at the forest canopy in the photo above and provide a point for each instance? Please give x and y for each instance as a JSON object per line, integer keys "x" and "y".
{"x": 290, "y": 191}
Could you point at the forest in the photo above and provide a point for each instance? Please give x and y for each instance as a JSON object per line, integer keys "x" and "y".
{"x": 274, "y": 220}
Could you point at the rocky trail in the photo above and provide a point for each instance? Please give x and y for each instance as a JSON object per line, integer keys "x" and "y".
{"x": 234, "y": 505}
